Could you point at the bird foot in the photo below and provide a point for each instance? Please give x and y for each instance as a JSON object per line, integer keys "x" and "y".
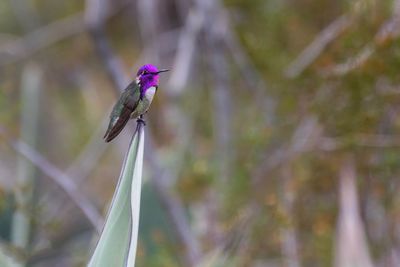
{"x": 140, "y": 120}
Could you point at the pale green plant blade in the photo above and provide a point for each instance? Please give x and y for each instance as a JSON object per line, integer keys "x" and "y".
{"x": 8, "y": 257}
{"x": 116, "y": 237}
{"x": 26, "y": 171}
{"x": 135, "y": 199}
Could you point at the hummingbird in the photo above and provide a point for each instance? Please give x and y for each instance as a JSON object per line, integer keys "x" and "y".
{"x": 134, "y": 101}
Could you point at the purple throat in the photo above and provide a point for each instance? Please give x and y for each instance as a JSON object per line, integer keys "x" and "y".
{"x": 148, "y": 76}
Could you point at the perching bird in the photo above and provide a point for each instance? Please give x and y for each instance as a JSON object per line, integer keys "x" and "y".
{"x": 134, "y": 101}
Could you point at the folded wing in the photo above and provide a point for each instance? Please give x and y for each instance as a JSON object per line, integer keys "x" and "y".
{"x": 122, "y": 111}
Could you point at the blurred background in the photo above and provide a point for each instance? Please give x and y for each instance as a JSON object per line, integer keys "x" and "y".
{"x": 273, "y": 141}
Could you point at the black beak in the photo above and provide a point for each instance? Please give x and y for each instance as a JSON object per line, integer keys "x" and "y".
{"x": 163, "y": 70}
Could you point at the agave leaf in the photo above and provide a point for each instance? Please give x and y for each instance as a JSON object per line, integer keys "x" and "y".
{"x": 136, "y": 189}
{"x": 10, "y": 256}
{"x": 117, "y": 244}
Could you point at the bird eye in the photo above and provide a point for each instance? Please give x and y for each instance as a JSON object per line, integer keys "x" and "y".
{"x": 145, "y": 72}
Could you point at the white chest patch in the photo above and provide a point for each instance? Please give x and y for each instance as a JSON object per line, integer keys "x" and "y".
{"x": 150, "y": 93}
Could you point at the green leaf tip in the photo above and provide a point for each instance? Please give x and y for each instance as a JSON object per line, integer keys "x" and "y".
{"x": 118, "y": 240}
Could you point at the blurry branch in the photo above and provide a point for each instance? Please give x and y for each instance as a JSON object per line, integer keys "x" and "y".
{"x": 79, "y": 170}
{"x": 95, "y": 18}
{"x": 186, "y": 49}
{"x": 36, "y": 40}
{"x": 351, "y": 243}
{"x": 39, "y": 39}
{"x": 317, "y": 46}
{"x": 385, "y": 88}
{"x": 148, "y": 23}
{"x": 308, "y": 137}
{"x": 252, "y": 77}
{"x": 26, "y": 172}
{"x": 388, "y": 32}
{"x": 379, "y": 224}
{"x": 304, "y": 137}
{"x": 332, "y": 144}
{"x": 391, "y": 258}
{"x": 239, "y": 233}
{"x": 7, "y": 37}
{"x": 318, "y": 142}
{"x": 241, "y": 59}
{"x": 60, "y": 178}
{"x": 59, "y": 243}
{"x": 365, "y": 140}
{"x": 289, "y": 246}
{"x": 235, "y": 242}
{"x": 90, "y": 154}
{"x": 183, "y": 7}
{"x": 25, "y": 13}
{"x": 174, "y": 206}
{"x": 168, "y": 41}
{"x": 238, "y": 238}
{"x": 112, "y": 63}
{"x": 352, "y": 63}
{"x": 215, "y": 29}
{"x": 64, "y": 181}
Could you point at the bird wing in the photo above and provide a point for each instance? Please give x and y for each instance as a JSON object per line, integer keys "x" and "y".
{"x": 122, "y": 110}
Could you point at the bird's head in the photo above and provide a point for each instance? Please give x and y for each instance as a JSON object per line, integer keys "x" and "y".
{"x": 147, "y": 76}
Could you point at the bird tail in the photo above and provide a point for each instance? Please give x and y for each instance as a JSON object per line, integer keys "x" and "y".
{"x": 115, "y": 129}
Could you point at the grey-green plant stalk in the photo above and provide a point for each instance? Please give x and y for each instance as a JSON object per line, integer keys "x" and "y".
{"x": 30, "y": 96}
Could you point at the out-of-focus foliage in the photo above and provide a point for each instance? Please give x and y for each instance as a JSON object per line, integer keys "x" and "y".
{"x": 289, "y": 135}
